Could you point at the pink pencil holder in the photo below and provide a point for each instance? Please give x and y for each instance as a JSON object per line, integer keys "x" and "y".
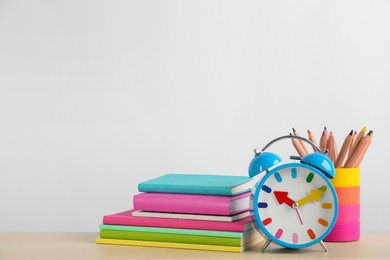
{"x": 347, "y": 186}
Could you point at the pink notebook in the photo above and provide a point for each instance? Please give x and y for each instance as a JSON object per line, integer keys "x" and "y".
{"x": 125, "y": 218}
{"x": 192, "y": 204}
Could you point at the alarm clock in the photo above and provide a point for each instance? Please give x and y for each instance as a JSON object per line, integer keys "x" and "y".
{"x": 294, "y": 204}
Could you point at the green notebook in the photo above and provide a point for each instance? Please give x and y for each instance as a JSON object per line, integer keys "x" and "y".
{"x": 183, "y": 231}
{"x": 226, "y": 185}
{"x": 178, "y": 238}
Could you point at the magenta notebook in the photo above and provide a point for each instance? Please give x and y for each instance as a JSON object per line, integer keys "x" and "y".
{"x": 125, "y": 218}
{"x": 192, "y": 203}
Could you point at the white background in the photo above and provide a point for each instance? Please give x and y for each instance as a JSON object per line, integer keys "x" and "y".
{"x": 97, "y": 96}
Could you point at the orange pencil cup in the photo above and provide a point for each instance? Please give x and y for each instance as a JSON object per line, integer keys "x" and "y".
{"x": 347, "y": 185}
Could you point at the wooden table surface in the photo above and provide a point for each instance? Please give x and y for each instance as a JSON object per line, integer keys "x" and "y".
{"x": 82, "y": 246}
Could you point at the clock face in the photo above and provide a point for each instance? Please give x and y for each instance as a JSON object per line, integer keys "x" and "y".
{"x": 294, "y": 205}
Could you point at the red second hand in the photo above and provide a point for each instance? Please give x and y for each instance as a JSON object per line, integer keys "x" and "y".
{"x": 299, "y": 216}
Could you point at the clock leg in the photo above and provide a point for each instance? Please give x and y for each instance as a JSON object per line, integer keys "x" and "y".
{"x": 266, "y": 244}
{"x": 323, "y": 246}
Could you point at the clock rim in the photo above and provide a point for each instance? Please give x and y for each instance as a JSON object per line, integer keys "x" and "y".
{"x": 256, "y": 218}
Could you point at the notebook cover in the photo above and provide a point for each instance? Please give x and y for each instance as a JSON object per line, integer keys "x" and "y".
{"x": 197, "y": 184}
{"x": 174, "y": 238}
{"x": 178, "y": 231}
{"x": 189, "y": 203}
{"x": 126, "y": 218}
{"x": 178, "y": 245}
{"x": 153, "y": 214}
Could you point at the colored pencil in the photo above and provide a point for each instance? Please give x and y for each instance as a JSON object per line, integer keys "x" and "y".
{"x": 332, "y": 147}
{"x": 300, "y": 141}
{"x": 323, "y": 140}
{"x": 359, "y": 137}
{"x": 298, "y": 147}
{"x": 353, "y": 140}
{"x": 326, "y": 132}
{"x": 344, "y": 150}
{"x": 360, "y": 151}
{"x": 313, "y": 139}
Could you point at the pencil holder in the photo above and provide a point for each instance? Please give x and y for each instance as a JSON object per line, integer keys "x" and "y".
{"x": 347, "y": 185}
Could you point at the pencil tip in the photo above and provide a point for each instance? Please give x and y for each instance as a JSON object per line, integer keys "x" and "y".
{"x": 364, "y": 129}
{"x": 370, "y": 133}
{"x": 308, "y": 131}
{"x": 293, "y": 129}
{"x": 324, "y": 128}
{"x": 351, "y": 133}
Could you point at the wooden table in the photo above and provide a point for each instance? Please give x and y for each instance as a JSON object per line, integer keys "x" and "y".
{"x": 82, "y": 246}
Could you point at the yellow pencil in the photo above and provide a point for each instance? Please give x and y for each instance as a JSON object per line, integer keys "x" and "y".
{"x": 344, "y": 150}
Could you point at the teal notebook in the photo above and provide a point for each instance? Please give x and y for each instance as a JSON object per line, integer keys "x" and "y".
{"x": 225, "y": 185}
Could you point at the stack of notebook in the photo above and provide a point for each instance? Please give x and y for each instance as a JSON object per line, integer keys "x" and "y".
{"x": 191, "y": 211}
